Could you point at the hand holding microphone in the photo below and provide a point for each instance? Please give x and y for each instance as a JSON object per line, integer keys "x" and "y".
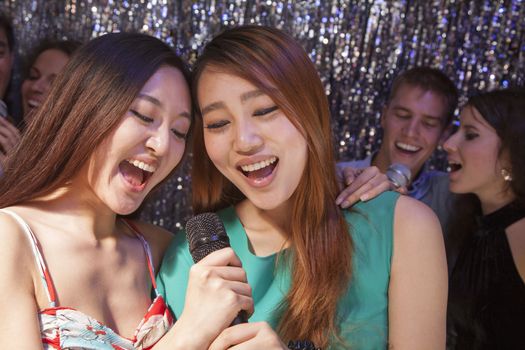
{"x": 399, "y": 175}
{"x": 217, "y": 285}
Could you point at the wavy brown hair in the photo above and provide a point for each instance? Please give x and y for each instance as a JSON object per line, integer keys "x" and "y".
{"x": 87, "y": 101}
{"x": 321, "y": 246}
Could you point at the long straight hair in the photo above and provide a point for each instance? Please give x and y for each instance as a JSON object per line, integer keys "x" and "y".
{"x": 87, "y": 101}
{"x": 277, "y": 65}
{"x": 504, "y": 111}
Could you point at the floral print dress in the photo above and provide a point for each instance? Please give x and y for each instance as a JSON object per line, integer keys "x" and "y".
{"x": 68, "y": 328}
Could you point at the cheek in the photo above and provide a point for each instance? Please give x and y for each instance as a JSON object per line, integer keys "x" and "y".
{"x": 215, "y": 149}
{"x": 432, "y": 138}
{"x": 176, "y": 155}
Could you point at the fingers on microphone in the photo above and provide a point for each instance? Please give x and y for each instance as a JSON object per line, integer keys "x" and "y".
{"x": 221, "y": 257}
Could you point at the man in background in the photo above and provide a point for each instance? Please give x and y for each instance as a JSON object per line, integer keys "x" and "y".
{"x": 415, "y": 120}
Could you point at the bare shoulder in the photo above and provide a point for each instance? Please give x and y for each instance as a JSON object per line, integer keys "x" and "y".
{"x": 416, "y": 210}
{"x": 418, "y": 239}
{"x": 16, "y": 256}
{"x": 157, "y": 237}
{"x": 415, "y": 220}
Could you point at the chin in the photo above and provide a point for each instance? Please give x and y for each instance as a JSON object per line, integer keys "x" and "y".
{"x": 454, "y": 188}
{"x": 125, "y": 208}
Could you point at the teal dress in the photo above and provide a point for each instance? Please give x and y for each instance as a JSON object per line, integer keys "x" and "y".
{"x": 363, "y": 311}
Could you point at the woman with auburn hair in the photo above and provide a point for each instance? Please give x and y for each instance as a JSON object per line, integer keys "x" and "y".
{"x": 263, "y": 158}
{"x": 486, "y": 308}
{"x": 75, "y": 274}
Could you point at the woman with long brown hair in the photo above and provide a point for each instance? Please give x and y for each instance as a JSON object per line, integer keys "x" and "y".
{"x": 74, "y": 273}
{"x": 263, "y": 159}
{"x": 486, "y": 248}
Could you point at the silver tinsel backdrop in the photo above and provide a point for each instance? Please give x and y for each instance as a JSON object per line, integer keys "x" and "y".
{"x": 357, "y": 46}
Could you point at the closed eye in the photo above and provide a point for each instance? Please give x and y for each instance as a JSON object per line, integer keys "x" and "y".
{"x": 142, "y": 117}
{"x": 216, "y": 125}
{"x": 179, "y": 134}
{"x": 264, "y": 111}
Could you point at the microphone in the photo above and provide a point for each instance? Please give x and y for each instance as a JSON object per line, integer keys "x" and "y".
{"x": 398, "y": 174}
{"x": 205, "y": 234}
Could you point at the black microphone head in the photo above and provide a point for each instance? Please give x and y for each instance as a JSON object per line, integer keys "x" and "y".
{"x": 205, "y": 234}
{"x": 398, "y": 174}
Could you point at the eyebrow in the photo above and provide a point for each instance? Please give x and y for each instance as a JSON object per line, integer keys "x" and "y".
{"x": 221, "y": 105}
{"x": 156, "y": 102}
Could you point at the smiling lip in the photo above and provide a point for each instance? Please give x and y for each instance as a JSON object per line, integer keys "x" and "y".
{"x": 147, "y": 168}
{"x": 259, "y": 164}
{"x": 407, "y": 148}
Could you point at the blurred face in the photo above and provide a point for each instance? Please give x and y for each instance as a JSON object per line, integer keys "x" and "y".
{"x": 250, "y": 140}
{"x": 6, "y": 63}
{"x": 413, "y": 126}
{"x": 41, "y": 75}
{"x": 146, "y": 146}
{"x": 473, "y": 155}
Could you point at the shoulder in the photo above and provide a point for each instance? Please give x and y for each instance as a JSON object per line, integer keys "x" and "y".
{"x": 16, "y": 255}
{"x": 378, "y": 210}
{"x": 413, "y": 216}
{"x": 371, "y": 225}
{"x": 157, "y": 237}
{"x": 417, "y": 235}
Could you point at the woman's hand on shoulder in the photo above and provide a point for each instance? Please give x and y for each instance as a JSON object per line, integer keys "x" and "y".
{"x": 246, "y": 336}
{"x": 19, "y": 328}
{"x": 419, "y": 282}
{"x": 362, "y": 184}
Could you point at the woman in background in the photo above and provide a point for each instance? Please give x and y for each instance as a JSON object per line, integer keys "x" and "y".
{"x": 263, "y": 158}
{"x": 487, "y": 255}
{"x": 42, "y": 67}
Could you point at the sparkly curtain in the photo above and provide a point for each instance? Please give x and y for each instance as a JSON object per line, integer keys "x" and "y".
{"x": 357, "y": 46}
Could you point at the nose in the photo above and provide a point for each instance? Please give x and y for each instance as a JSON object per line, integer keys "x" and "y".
{"x": 412, "y": 128}
{"x": 158, "y": 141}
{"x": 40, "y": 86}
{"x": 450, "y": 144}
{"x": 247, "y": 136}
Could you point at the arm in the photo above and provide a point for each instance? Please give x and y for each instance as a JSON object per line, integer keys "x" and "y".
{"x": 417, "y": 294}
{"x": 19, "y": 327}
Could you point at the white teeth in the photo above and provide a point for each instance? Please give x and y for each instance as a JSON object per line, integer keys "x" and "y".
{"x": 259, "y": 165}
{"x": 33, "y": 103}
{"x": 407, "y": 147}
{"x": 142, "y": 165}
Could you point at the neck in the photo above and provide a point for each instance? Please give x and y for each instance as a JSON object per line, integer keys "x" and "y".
{"x": 79, "y": 214}
{"x": 267, "y": 230}
{"x": 491, "y": 202}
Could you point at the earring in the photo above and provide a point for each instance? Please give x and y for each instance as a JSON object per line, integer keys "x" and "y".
{"x": 507, "y": 176}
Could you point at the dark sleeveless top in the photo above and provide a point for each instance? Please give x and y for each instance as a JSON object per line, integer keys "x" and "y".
{"x": 486, "y": 308}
